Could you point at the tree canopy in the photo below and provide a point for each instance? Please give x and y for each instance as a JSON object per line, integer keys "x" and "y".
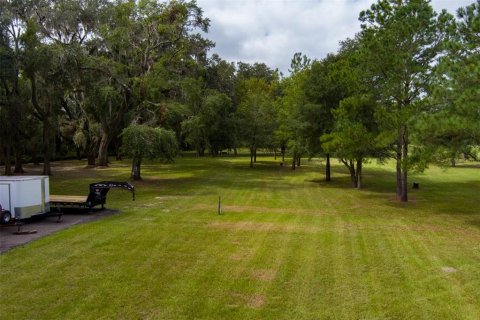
{"x": 89, "y": 79}
{"x": 142, "y": 141}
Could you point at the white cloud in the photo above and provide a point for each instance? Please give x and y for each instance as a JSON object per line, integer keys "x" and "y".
{"x": 271, "y": 31}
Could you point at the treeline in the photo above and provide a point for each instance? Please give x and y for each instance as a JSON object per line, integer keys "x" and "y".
{"x": 134, "y": 77}
{"x": 406, "y": 87}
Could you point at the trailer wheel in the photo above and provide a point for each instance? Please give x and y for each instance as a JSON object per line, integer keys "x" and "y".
{"x": 6, "y": 217}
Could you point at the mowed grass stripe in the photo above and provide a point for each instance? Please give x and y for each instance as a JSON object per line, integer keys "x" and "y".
{"x": 287, "y": 246}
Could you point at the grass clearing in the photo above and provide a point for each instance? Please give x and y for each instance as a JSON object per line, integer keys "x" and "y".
{"x": 288, "y": 246}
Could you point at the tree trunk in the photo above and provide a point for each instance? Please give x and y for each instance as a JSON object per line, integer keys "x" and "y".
{"x": 111, "y": 126}
{"x": 136, "y": 169}
{"x": 47, "y": 171}
{"x": 90, "y": 152}
{"x": 44, "y": 115}
{"x": 298, "y": 161}
{"x": 359, "y": 174}
{"x": 353, "y": 175}
{"x": 275, "y": 154}
{"x": 201, "y": 151}
{"x": 78, "y": 153}
{"x": 255, "y": 155}
{"x": 251, "y": 157}
{"x": 18, "y": 161}
{"x": 283, "y": 154}
{"x": 18, "y": 147}
{"x": 103, "y": 150}
{"x": 8, "y": 161}
{"x": 91, "y": 160}
{"x": 118, "y": 154}
{"x": 34, "y": 155}
{"x": 404, "y": 196}
{"x": 235, "y": 152}
{"x": 294, "y": 162}
{"x": 398, "y": 158}
{"x": 327, "y": 169}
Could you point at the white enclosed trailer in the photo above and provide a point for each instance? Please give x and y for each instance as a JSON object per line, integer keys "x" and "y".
{"x": 24, "y": 196}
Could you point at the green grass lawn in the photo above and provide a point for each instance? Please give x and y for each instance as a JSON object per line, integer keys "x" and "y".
{"x": 287, "y": 246}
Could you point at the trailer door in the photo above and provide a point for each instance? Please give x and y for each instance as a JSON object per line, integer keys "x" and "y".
{"x": 5, "y": 197}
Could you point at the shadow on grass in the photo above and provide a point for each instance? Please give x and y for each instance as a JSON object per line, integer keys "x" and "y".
{"x": 337, "y": 182}
{"x": 474, "y": 222}
{"x": 262, "y": 166}
{"x": 436, "y": 197}
{"x": 213, "y": 174}
{"x": 380, "y": 181}
{"x": 466, "y": 166}
{"x": 443, "y": 197}
{"x": 207, "y": 175}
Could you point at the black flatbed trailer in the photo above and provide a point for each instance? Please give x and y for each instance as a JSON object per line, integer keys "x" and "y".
{"x": 96, "y": 196}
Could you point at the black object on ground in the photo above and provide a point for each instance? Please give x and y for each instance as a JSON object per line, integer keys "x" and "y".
{"x": 97, "y": 195}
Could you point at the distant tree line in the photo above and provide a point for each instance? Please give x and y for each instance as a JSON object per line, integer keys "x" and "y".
{"x": 89, "y": 78}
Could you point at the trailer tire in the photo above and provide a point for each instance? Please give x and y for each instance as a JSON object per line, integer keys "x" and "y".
{"x": 6, "y": 217}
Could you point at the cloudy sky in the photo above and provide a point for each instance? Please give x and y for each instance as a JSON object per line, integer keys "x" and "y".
{"x": 271, "y": 31}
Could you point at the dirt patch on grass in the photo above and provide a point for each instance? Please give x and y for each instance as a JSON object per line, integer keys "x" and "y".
{"x": 242, "y": 255}
{"x": 71, "y": 167}
{"x": 262, "y": 226}
{"x": 471, "y": 233}
{"x": 146, "y": 205}
{"x": 449, "y": 269}
{"x": 414, "y": 228}
{"x": 266, "y": 275}
{"x": 411, "y": 200}
{"x": 172, "y": 197}
{"x": 57, "y": 167}
{"x": 237, "y": 257}
{"x": 422, "y": 228}
{"x": 226, "y": 209}
{"x": 254, "y": 301}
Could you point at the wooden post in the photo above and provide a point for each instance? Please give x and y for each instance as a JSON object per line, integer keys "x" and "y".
{"x": 219, "y": 205}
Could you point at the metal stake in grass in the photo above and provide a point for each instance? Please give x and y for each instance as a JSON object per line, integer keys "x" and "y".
{"x": 219, "y": 205}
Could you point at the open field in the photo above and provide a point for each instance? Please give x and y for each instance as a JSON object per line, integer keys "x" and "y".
{"x": 287, "y": 246}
